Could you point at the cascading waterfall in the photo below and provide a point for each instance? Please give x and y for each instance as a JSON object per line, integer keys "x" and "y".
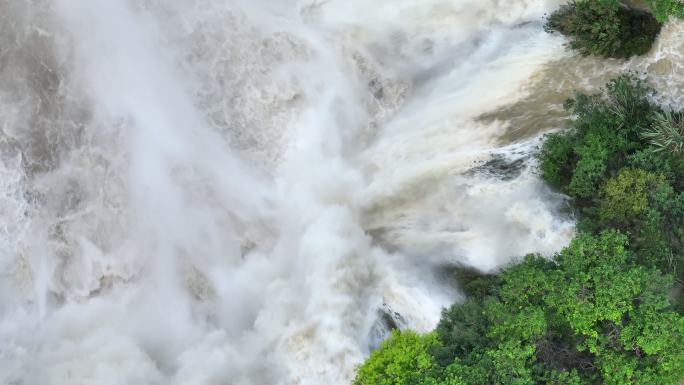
{"x": 243, "y": 192}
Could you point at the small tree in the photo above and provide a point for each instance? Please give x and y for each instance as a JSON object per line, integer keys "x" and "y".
{"x": 604, "y": 28}
{"x": 403, "y": 359}
{"x": 627, "y": 196}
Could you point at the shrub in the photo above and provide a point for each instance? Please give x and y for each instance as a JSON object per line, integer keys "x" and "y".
{"x": 667, "y": 132}
{"x": 462, "y": 332}
{"x": 619, "y": 175}
{"x": 558, "y": 158}
{"x": 627, "y": 196}
{"x": 604, "y": 28}
{"x": 659, "y": 162}
{"x": 598, "y": 142}
{"x": 662, "y": 9}
{"x": 403, "y": 359}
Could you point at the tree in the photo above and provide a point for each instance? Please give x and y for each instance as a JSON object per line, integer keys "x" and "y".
{"x": 619, "y": 175}
{"x": 598, "y": 142}
{"x": 604, "y": 28}
{"x": 628, "y": 196}
{"x": 403, "y": 359}
{"x": 592, "y": 316}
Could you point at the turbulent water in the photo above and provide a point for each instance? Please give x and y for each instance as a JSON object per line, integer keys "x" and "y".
{"x": 253, "y": 192}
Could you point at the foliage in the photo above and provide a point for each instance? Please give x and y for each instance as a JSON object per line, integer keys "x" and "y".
{"x": 462, "y": 332}
{"x": 605, "y": 28}
{"x": 599, "y": 140}
{"x": 558, "y": 159}
{"x": 628, "y": 195}
{"x": 620, "y": 176}
{"x": 663, "y": 163}
{"x": 667, "y": 132}
{"x": 402, "y": 359}
{"x": 662, "y": 9}
{"x": 605, "y": 310}
{"x": 473, "y": 282}
{"x": 592, "y": 315}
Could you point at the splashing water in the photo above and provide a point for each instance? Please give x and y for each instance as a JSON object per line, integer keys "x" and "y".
{"x": 231, "y": 192}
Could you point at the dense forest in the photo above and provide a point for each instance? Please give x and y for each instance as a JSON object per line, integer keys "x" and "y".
{"x": 608, "y": 308}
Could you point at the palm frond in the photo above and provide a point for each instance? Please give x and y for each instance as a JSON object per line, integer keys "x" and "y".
{"x": 666, "y": 133}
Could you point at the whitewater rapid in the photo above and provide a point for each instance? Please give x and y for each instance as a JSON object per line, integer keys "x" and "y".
{"x": 242, "y": 192}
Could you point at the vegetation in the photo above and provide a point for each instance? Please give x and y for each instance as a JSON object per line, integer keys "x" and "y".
{"x": 667, "y": 132}
{"x": 623, "y": 170}
{"x": 606, "y": 309}
{"x": 605, "y": 28}
{"x": 662, "y": 9}
{"x": 402, "y": 359}
{"x": 593, "y": 315}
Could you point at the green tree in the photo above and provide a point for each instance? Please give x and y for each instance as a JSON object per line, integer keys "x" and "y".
{"x": 604, "y": 28}
{"x": 403, "y": 359}
{"x": 628, "y": 196}
{"x": 598, "y": 142}
{"x": 620, "y": 176}
{"x": 591, "y": 316}
{"x": 558, "y": 158}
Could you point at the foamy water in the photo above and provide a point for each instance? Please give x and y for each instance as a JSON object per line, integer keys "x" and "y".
{"x": 232, "y": 192}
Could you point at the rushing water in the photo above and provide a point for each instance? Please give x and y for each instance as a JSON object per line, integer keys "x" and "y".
{"x": 251, "y": 192}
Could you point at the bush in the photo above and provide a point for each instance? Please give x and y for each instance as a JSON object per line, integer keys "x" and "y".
{"x": 558, "y": 158}
{"x": 662, "y": 9}
{"x": 667, "y": 132}
{"x": 604, "y": 28}
{"x": 662, "y": 163}
{"x": 599, "y": 141}
{"x": 403, "y": 359}
{"x": 619, "y": 174}
{"x": 628, "y": 195}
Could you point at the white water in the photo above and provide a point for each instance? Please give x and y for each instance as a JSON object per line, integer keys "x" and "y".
{"x": 228, "y": 192}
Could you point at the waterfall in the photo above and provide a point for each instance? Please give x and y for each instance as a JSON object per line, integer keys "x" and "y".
{"x": 254, "y": 192}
